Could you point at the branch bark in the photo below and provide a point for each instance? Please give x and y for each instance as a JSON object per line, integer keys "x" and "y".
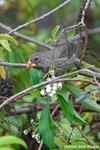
{"x": 40, "y": 18}
{"x": 57, "y": 79}
{"x": 8, "y": 29}
{"x": 21, "y": 65}
{"x": 86, "y": 138}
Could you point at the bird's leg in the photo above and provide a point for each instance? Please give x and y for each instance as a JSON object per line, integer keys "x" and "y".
{"x": 78, "y": 65}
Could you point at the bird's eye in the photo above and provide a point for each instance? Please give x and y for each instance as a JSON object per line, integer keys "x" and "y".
{"x": 36, "y": 59}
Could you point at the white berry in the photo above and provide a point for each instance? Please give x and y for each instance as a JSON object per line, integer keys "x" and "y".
{"x": 48, "y": 79}
{"x": 53, "y": 77}
{"x": 59, "y": 85}
{"x": 52, "y": 72}
{"x": 48, "y": 89}
{"x": 32, "y": 120}
{"x": 43, "y": 92}
{"x": 25, "y": 132}
{"x": 53, "y": 92}
{"x": 54, "y": 86}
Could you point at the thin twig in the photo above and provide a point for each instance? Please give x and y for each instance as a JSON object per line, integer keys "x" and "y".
{"x": 81, "y": 108}
{"x": 85, "y": 45}
{"x": 40, "y": 146}
{"x": 84, "y": 12}
{"x": 33, "y": 107}
{"x": 87, "y": 74}
{"x": 84, "y": 85}
{"x": 70, "y": 28}
{"x": 93, "y": 127}
{"x": 40, "y": 18}
{"x": 80, "y": 111}
{"x": 26, "y": 91}
{"x": 73, "y": 38}
{"x": 18, "y": 65}
{"x": 8, "y": 29}
{"x": 72, "y": 130}
{"x": 55, "y": 109}
{"x": 88, "y": 141}
{"x": 96, "y": 81}
{"x": 3, "y": 97}
{"x": 21, "y": 65}
{"x": 91, "y": 74}
{"x": 76, "y": 80}
{"x": 90, "y": 32}
{"x": 94, "y": 76}
{"x": 86, "y": 94}
{"x": 82, "y": 22}
{"x": 93, "y": 68}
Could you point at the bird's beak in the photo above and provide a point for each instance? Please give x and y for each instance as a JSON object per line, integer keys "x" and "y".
{"x": 30, "y": 64}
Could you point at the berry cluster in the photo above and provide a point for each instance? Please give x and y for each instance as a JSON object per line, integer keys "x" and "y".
{"x": 50, "y": 89}
{"x": 34, "y": 131}
{"x": 78, "y": 29}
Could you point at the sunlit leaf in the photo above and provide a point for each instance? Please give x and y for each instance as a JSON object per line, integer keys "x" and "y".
{"x": 8, "y": 37}
{"x": 7, "y": 140}
{"x": 49, "y": 40}
{"x": 5, "y": 44}
{"x": 2, "y": 72}
{"x": 5, "y": 148}
{"x": 54, "y": 31}
{"x": 87, "y": 66}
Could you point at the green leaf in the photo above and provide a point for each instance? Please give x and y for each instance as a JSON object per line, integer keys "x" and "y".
{"x": 77, "y": 92}
{"x": 5, "y": 148}
{"x": 2, "y": 72}
{"x": 49, "y": 40}
{"x": 67, "y": 107}
{"x": 8, "y": 37}
{"x": 63, "y": 94}
{"x": 54, "y": 31}
{"x": 78, "y": 119}
{"x": 36, "y": 76}
{"x": 46, "y": 127}
{"x": 40, "y": 76}
{"x": 6, "y": 140}
{"x": 2, "y": 113}
{"x": 87, "y": 66}
{"x": 58, "y": 141}
{"x": 5, "y": 44}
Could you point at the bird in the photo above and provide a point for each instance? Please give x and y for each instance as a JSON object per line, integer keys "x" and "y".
{"x": 64, "y": 58}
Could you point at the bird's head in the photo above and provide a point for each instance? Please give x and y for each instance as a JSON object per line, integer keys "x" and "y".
{"x": 38, "y": 60}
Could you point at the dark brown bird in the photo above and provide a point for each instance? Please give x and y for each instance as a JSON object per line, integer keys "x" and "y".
{"x": 64, "y": 57}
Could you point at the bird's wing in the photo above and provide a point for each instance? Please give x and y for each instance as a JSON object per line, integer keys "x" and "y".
{"x": 64, "y": 64}
{"x": 66, "y": 50}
